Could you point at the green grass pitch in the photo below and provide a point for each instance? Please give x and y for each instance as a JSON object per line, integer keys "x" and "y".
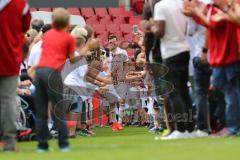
{"x": 132, "y": 144}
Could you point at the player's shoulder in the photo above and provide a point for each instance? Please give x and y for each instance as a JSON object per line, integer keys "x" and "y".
{"x": 120, "y": 50}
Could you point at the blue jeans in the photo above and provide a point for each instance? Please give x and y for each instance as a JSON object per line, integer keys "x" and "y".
{"x": 227, "y": 79}
{"x": 202, "y": 79}
{"x": 49, "y": 88}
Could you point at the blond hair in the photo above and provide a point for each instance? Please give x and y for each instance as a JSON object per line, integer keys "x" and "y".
{"x": 80, "y": 34}
{"x": 32, "y": 33}
{"x": 60, "y": 18}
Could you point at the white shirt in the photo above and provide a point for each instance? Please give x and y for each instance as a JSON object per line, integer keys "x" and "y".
{"x": 121, "y": 52}
{"x": 35, "y": 54}
{"x": 76, "y": 79}
{"x": 174, "y": 40}
{"x": 196, "y": 39}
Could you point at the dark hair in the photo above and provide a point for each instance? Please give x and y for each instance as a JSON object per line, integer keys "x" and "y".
{"x": 112, "y": 36}
{"x": 89, "y": 31}
{"x": 46, "y": 27}
{"x": 136, "y": 54}
{"x": 37, "y": 24}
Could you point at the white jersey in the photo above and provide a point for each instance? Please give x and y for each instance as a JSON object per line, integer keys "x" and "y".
{"x": 35, "y": 54}
{"x": 76, "y": 79}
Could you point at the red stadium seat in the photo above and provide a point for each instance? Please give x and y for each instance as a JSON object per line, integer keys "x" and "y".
{"x": 45, "y": 9}
{"x": 135, "y": 20}
{"x": 74, "y": 11}
{"x": 114, "y": 12}
{"x": 112, "y": 28}
{"x": 104, "y": 34}
{"x": 87, "y": 12}
{"x": 120, "y": 39}
{"x": 106, "y": 20}
{"x": 92, "y": 20}
{"x": 126, "y": 28}
{"x": 128, "y": 13}
{"x": 102, "y": 37}
{"x": 119, "y": 20}
{"x": 101, "y": 12}
{"x": 128, "y": 37}
{"x": 99, "y": 28}
{"x": 119, "y": 35}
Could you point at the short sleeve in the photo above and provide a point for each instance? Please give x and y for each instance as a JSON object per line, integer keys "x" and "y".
{"x": 159, "y": 13}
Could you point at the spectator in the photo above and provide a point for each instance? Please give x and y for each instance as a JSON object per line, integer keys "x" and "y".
{"x": 151, "y": 42}
{"x": 35, "y": 52}
{"x": 201, "y": 76}
{"x": 37, "y": 24}
{"x": 15, "y": 17}
{"x": 170, "y": 26}
{"x": 224, "y": 56}
{"x": 57, "y": 46}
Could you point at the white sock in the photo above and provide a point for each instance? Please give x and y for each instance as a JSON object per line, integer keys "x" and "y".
{"x": 121, "y": 109}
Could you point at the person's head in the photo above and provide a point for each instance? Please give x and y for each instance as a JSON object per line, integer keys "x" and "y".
{"x": 30, "y": 35}
{"x": 89, "y": 31}
{"x": 112, "y": 41}
{"x": 80, "y": 35}
{"x": 37, "y": 24}
{"x": 60, "y": 19}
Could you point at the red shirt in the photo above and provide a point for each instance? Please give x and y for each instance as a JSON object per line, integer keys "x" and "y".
{"x": 15, "y": 21}
{"x": 56, "y": 47}
{"x": 222, "y": 42}
{"x": 238, "y": 33}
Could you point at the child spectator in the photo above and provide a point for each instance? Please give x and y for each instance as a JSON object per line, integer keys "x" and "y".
{"x": 57, "y": 46}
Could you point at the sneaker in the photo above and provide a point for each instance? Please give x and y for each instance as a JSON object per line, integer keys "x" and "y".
{"x": 83, "y": 134}
{"x": 115, "y": 127}
{"x": 201, "y": 134}
{"x": 174, "y": 135}
{"x": 223, "y": 133}
{"x": 190, "y": 134}
{"x": 165, "y": 132}
{"x": 120, "y": 126}
{"x": 25, "y": 133}
{"x": 156, "y": 130}
{"x": 88, "y": 132}
{"x": 65, "y": 149}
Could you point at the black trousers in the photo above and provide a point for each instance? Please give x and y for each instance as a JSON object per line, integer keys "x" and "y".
{"x": 49, "y": 87}
{"x": 179, "y": 98}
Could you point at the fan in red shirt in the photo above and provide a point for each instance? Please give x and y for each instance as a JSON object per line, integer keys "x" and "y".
{"x": 15, "y": 21}
{"x": 57, "y": 46}
{"x": 224, "y": 55}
